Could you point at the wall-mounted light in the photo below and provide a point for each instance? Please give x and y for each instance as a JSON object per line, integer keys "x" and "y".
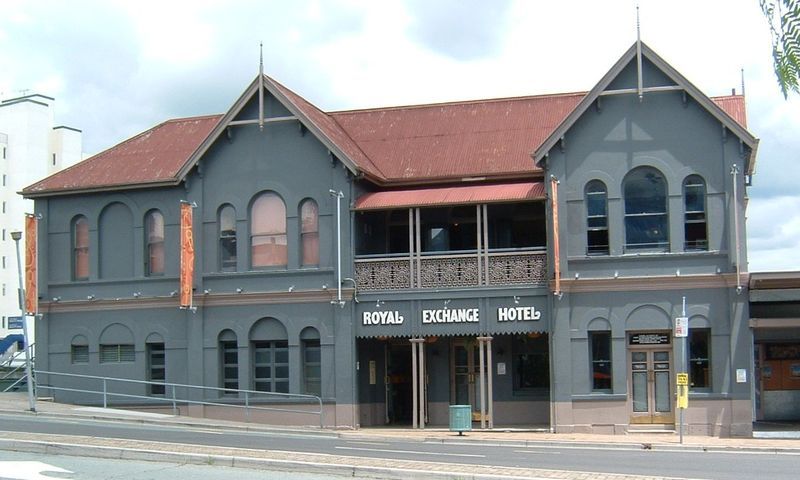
{"x": 577, "y": 275}
{"x": 678, "y": 272}
{"x": 239, "y": 290}
{"x": 516, "y": 299}
{"x": 90, "y": 297}
{"x": 446, "y": 303}
{"x": 379, "y": 303}
{"x": 291, "y": 288}
{"x": 206, "y": 291}
{"x": 173, "y": 293}
{"x": 324, "y": 286}
{"x": 56, "y": 299}
{"x": 137, "y": 294}
{"x": 616, "y": 273}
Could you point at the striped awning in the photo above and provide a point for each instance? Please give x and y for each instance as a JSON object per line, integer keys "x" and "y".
{"x": 455, "y": 195}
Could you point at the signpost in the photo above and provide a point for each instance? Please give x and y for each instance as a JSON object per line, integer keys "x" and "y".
{"x": 682, "y": 377}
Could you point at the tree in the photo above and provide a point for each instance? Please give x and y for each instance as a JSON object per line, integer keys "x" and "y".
{"x": 784, "y": 24}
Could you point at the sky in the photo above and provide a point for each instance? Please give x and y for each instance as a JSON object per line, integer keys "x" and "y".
{"x": 117, "y": 67}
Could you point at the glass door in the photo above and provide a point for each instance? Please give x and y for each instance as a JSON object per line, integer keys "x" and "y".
{"x": 650, "y": 386}
{"x": 464, "y": 384}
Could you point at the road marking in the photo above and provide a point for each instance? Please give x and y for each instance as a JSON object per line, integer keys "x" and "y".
{"x": 537, "y": 452}
{"x": 353, "y": 442}
{"x": 28, "y": 470}
{"x": 415, "y": 452}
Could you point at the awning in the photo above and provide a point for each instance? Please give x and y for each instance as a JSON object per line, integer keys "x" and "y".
{"x": 459, "y": 195}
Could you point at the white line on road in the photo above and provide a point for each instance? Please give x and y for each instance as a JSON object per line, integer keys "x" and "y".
{"x": 367, "y": 443}
{"x": 537, "y": 452}
{"x": 412, "y": 451}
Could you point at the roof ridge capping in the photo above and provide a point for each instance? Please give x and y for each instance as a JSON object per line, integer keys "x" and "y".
{"x": 647, "y": 52}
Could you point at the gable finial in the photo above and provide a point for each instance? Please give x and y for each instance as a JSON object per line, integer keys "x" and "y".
{"x": 261, "y": 85}
{"x": 638, "y": 55}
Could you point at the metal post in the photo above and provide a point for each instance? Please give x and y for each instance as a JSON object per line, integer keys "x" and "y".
{"x": 174, "y": 404}
{"x": 247, "y": 406}
{"x": 421, "y": 356}
{"x": 16, "y": 236}
{"x": 414, "y": 386}
{"x": 482, "y": 370}
{"x": 338, "y": 196}
{"x": 489, "y": 388}
{"x": 105, "y": 392}
{"x": 683, "y": 365}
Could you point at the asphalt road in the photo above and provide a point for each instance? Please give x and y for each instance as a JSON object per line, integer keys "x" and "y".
{"x": 679, "y": 463}
{"x": 30, "y": 466}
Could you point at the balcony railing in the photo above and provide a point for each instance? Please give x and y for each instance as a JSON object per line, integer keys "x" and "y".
{"x": 517, "y": 267}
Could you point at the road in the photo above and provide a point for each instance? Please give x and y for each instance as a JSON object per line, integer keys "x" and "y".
{"x": 677, "y": 463}
{"x": 29, "y": 466}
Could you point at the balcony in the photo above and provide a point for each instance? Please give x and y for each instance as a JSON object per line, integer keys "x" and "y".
{"x": 517, "y": 267}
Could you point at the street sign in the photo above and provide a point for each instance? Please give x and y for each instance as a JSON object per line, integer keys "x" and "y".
{"x": 15, "y": 323}
{"x": 683, "y": 379}
{"x": 681, "y": 327}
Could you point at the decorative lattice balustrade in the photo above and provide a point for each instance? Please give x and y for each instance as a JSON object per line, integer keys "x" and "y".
{"x": 441, "y": 271}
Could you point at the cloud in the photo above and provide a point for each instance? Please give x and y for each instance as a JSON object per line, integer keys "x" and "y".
{"x": 773, "y": 227}
{"x": 460, "y": 29}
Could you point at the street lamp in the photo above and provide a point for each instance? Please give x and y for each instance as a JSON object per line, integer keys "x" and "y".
{"x": 16, "y": 236}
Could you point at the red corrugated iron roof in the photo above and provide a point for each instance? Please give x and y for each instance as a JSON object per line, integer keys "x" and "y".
{"x": 153, "y": 156}
{"x": 456, "y": 195}
{"x": 460, "y": 139}
{"x": 734, "y": 106}
{"x": 438, "y": 142}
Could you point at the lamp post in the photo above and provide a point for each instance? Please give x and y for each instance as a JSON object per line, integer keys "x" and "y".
{"x": 16, "y": 236}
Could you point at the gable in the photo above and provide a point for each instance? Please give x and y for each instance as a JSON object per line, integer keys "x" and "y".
{"x": 670, "y": 79}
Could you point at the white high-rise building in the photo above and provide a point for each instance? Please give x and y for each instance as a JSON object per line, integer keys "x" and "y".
{"x": 32, "y": 147}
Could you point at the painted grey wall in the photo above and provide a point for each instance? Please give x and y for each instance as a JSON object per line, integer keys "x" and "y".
{"x": 283, "y": 158}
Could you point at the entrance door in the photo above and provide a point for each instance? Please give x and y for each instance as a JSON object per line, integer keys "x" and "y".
{"x": 398, "y": 383}
{"x": 464, "y": 384}
{"x": 650, "y": 387}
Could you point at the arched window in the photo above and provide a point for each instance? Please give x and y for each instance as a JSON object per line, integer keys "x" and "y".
{"x": 312, "y": 361}
{"x": 596, "y": 218}
{"x": 154, "y": 242}
{"x": 270, "y": 349}
{"x": 268, "y": 231}
{"x": 229, "y": 361}
{"x": 646, "y": 219}
{"x": 80, "y": 248}
{"x": 694, "y": 203}
{"x": 227, "y": 238}
{"x": 309, "y": 232}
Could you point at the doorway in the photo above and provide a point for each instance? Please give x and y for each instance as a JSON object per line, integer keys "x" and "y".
{"x": 651, "y": 385}
{"x": 464, "y": 372}
{"x": 398, "y": 383}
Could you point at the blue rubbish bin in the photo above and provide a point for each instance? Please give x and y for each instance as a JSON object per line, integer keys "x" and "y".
{"x": 460, "y": 418}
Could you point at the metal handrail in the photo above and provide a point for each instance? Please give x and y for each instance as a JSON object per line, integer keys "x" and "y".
{"x": 174, "y": 399}
{"x": 18, "y": 367}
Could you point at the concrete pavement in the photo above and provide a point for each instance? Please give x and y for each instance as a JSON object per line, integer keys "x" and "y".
{"x": 16, "y": 403}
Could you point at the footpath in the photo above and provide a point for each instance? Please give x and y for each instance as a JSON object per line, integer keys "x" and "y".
{"x": 17, "y": 404}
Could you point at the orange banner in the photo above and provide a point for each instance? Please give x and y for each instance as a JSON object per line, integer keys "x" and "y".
{"x": 187, "y": 255}
{"x": 31, "y": 273}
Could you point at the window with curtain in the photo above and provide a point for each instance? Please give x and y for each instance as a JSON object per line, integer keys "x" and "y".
{"x": 227, "y": 239}
{"x": 646, "y": 219}
{"x": 694, "y": 202}
{"x": 309, "y": 232}
{"x": 268, "y": 231}
{"x": 600, "y": 352}
{"x": 80, "y": 248}
{"x": 154, "y": 241}
{"x": 596, "y": 218}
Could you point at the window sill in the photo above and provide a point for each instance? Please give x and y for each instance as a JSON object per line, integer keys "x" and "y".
{"x": 639, "y": 255}
{"x": 600, "y": 397}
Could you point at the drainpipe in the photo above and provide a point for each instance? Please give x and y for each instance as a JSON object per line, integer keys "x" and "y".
{"x": 734, "y": 172}
{"x": 339, "y": 195}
